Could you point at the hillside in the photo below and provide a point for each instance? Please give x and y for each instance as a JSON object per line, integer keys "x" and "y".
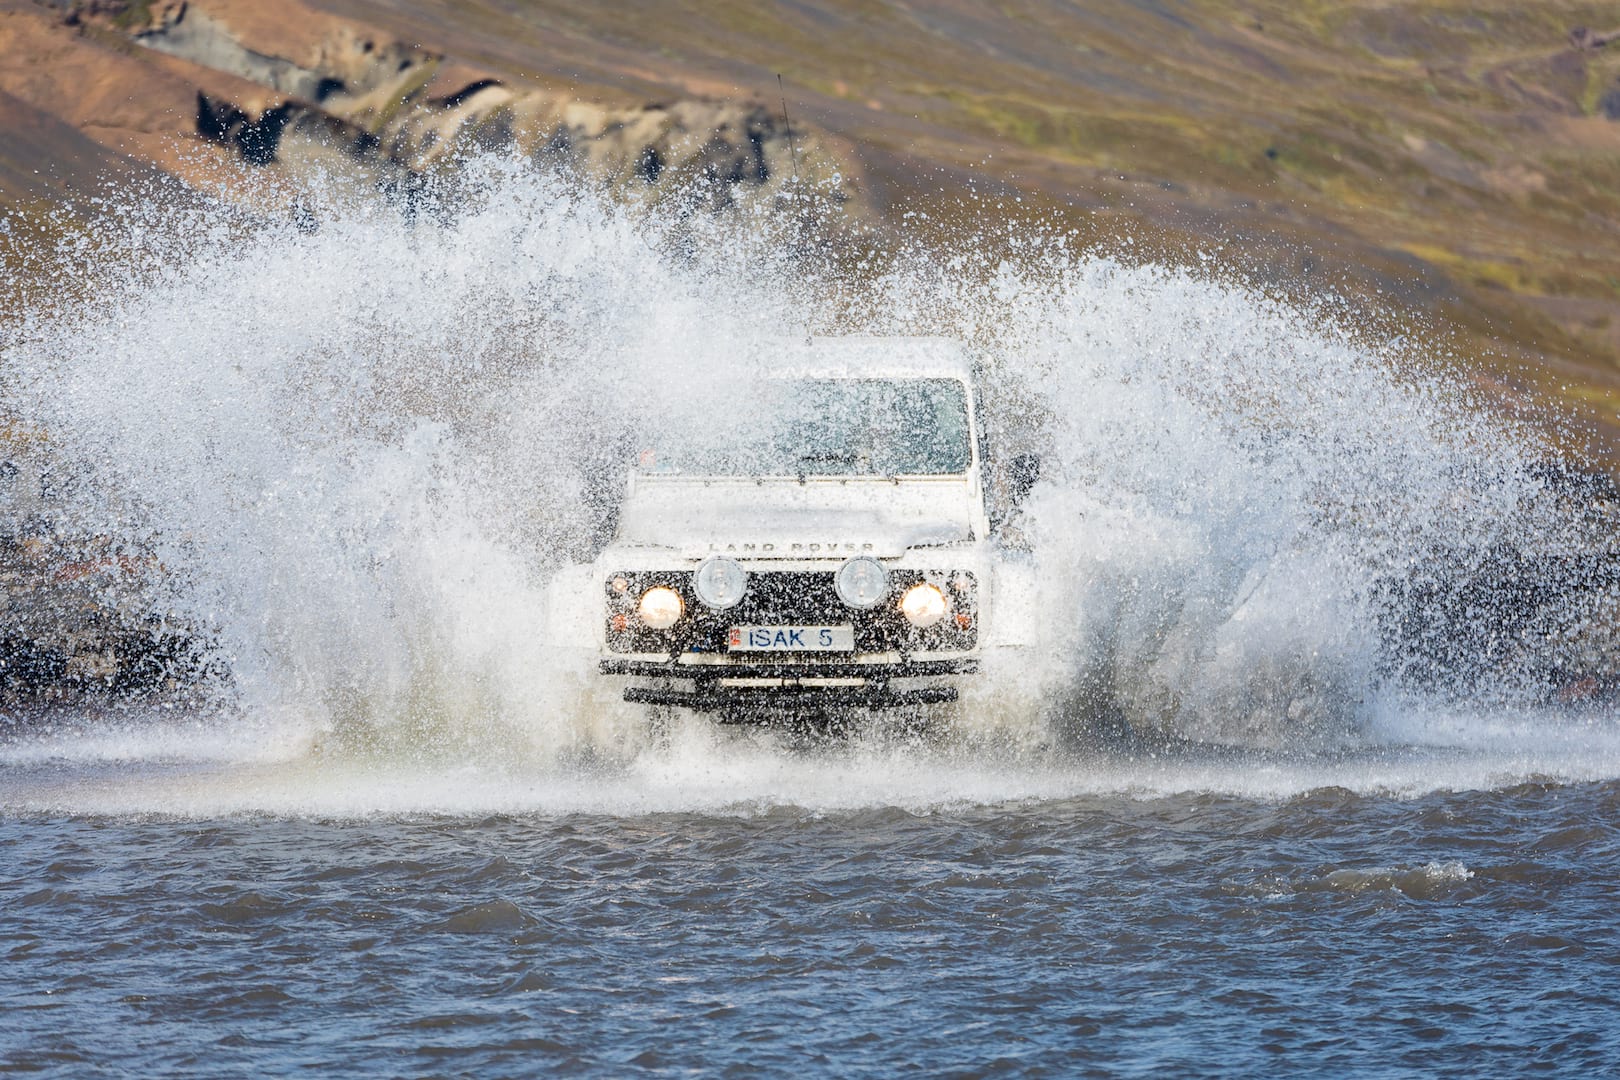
{"x": 1453, "y": 161}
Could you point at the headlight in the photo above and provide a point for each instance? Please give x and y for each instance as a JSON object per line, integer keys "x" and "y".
{"x": 923, "y": 605}
{"x": 660, "y": 607}
{"x": 862, "y": 583}
{"x": 720, "y": 582}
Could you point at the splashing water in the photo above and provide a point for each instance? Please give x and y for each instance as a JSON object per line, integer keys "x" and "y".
{"x": 361, "y": 453}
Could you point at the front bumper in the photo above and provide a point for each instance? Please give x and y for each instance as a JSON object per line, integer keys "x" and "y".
{"x": 760, "y": 690}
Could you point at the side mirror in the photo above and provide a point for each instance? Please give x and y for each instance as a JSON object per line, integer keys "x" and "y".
{"x": 1023, "y": 472}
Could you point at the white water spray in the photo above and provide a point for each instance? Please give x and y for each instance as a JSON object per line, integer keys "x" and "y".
{"x": 362, "y": 452}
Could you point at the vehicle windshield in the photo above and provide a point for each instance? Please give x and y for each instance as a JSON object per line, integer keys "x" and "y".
{"x": 836, "y": 427}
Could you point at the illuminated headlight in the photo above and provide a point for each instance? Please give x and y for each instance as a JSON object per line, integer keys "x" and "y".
{"x": 923, "y": 605}
{"x": 862, "y": 583}
{"x": 720, "y": 582}
{"x": 660, "y": 608}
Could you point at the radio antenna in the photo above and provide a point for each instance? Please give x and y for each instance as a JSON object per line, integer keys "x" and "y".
{"x": 792, "y": 150}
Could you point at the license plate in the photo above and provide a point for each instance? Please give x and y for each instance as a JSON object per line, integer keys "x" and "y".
{"x": 792, "y": 639}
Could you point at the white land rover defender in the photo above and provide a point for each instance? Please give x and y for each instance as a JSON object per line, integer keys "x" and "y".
{"x": 827, "y": 549}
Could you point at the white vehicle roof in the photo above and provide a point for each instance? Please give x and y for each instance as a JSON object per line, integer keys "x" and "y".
{"x": 871, "y": 356}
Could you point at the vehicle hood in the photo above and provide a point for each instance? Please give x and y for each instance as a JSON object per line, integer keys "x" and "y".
{"x": 786, "y": 519}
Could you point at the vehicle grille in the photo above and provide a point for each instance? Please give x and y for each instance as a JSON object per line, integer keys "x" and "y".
{"x": 792, "y": 597}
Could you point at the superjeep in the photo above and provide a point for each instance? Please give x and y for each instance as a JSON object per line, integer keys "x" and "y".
{"x": 829, "y": 549}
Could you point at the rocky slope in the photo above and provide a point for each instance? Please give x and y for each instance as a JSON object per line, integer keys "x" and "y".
{"x": 1452, "y": 163}
{"x": 204, "y": 88}
{"x": 211, "y": 93}
{"x": 1454, "y": 158}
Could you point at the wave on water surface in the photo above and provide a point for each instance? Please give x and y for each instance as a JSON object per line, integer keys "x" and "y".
{"x": 196, "y": 771}
{"x": 360, "y": 452}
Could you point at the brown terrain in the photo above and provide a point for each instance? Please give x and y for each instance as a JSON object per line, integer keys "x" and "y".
{"x": 1452, "y": 166}
{"x": 1455, "y": 164}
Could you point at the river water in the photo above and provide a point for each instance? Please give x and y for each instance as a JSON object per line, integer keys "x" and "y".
{"x": 1362, "y": 824}
{"x": 733, "y": 906}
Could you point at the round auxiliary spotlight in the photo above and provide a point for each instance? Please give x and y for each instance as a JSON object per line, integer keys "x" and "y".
{"x": 720, "y": 582}
{"x": 862, "y": 583}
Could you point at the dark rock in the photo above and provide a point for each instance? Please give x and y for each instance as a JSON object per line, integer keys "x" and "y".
{"x": 1609, "y": 104}
{"x": 1582, "y": 38}
{"x": 255, "y": 139}
{"x": 650, "y": 164}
